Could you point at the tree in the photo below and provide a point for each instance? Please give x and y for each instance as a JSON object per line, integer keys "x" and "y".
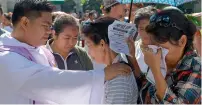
{"x": 68, "y": 6}
{"x": 91, "y": 5}
{"x": 83, "y": 2}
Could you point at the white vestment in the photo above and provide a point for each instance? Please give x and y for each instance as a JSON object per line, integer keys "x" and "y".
{"x": 22, "y": 80}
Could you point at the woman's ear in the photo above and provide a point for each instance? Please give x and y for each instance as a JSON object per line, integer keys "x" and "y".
{"x": 54, "y": 35}
{"x": 102, "y": 43}
{"x": 183, "y": 41}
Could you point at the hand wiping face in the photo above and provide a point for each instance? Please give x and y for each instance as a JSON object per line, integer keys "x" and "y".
{"x": 154, "y": 57}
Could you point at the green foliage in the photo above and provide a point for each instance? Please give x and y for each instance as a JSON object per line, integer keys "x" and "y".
{"x": 83, "y": 2}
{"x": 68, "y": 6}
{"x": 92, "y": 5}
{"x": 194, "y": 20}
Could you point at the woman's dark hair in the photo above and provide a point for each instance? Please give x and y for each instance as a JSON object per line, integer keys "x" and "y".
{"x": 91, "y": 14}
{"x": 108, "y": 10}
{"x": 62, "y": 21}
{"x": 98, "y": 30}
{"x": 169, "y": 25}
{"x": 144, "y": 13}
{"x": 56, "y": 14}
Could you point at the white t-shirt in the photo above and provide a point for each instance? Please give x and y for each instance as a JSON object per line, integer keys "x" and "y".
{"x": 140, "y": 57}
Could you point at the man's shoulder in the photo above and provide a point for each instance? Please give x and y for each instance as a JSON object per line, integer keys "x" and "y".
{"x": 12, "y": 59}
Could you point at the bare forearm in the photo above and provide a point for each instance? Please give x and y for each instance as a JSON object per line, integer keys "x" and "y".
{"x": 137, "y": 71}
{"x": 161, "y": 84}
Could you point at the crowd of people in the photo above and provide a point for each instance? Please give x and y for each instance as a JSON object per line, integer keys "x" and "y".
{"x": 42, "y": 62}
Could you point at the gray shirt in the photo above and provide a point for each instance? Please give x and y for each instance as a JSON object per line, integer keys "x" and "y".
{"x": 122, "y": 89}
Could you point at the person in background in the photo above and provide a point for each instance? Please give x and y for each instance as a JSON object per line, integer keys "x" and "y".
{"x": 114, "y": 9}
{"x": 2, "y": 31}
{"x": 141, "y": 20}
{"x": 84, "y": 19}
{"x": 7, "y": 22}
{"x": 86, "y": 16}
{"x": 170, "y": 29}
{"x": 120, "y": 90}
{"x": 135, "y": 7}
{"x": 95, "y": 14}
{"x": 68, "y": 56}
{"x": 87, "y": 11}
{"x": 91, "y": 17}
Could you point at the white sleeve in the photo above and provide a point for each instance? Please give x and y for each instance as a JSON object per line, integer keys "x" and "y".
{"x": 47, "y": 84}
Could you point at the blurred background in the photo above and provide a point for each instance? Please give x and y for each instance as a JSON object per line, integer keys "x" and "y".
{"x": 79, "y": 7}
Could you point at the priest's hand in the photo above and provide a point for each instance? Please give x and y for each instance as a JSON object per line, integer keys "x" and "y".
{"x": 116, "y": 69}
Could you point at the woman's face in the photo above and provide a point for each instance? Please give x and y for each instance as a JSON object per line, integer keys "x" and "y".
{"x": 67, "y": 39}
{"x": 96, "y": 52}
{"x": 142, "y": 33}
{"x": 175, "y": 51}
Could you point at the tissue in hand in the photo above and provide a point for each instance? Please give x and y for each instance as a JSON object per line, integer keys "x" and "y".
{"x": 163, "y": 66}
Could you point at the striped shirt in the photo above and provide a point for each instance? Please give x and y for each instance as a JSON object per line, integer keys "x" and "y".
{"x": 122, "y": 89}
